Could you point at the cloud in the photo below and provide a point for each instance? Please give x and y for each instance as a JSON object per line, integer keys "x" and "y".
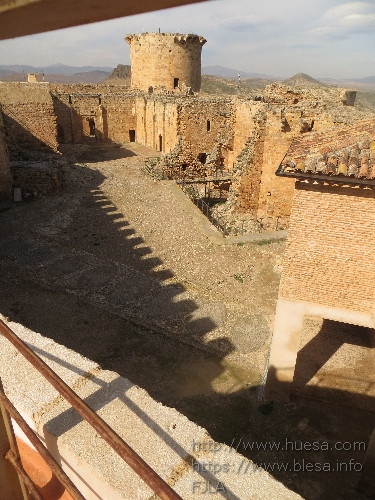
{"x": 243, "y": 23}
{"x": 303, "y": 46}
{"x": 347, "y": 19}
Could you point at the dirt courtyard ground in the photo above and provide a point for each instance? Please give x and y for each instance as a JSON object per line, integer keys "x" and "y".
{"x": 117, "y": 269}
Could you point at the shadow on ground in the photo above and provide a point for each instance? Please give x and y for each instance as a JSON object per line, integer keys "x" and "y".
{"x": 61, "y": 257}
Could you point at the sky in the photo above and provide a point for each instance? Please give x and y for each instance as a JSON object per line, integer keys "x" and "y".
{"x": 323, "y": 38}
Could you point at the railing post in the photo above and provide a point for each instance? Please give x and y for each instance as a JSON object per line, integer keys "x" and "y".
{"x": 11, "y": 486}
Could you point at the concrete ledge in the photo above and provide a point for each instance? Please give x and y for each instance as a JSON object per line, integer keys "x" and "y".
{"x": 210, "y": 230}
{"x": 176, "y": 448}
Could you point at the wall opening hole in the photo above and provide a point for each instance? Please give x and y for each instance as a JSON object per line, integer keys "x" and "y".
{"x": 131, "y": 135}
{"x": 202, "y": 157}
{"x": 160, "y": 143}
{"x": 92, "y": 126}
{"x": 208, "y": 126}
{"x": 175, "y": 83}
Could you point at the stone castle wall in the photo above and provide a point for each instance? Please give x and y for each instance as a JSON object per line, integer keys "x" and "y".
{"x": 29, "y": 116}
{"x": 156, "y": 122}
{"x": 263, "y": 132}
{"x": 82, "y": 112}
{"x": 248, "y": 155}
{"x": 196, "y": 134}
{"x": 169, "y": 60}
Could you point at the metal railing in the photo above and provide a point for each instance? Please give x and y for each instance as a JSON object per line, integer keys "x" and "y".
{"x": 9, "y": 449}
{"x": 212, "y": 215}
{"x": 216, "y": 176}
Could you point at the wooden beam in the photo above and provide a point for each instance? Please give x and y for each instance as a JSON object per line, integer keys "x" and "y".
{"x": 27, "y": 17}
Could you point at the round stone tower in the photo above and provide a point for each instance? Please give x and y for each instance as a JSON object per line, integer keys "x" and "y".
{"x": 165, "y": 59}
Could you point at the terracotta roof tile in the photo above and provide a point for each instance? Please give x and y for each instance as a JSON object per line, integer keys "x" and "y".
{"x": 345, "y": 153}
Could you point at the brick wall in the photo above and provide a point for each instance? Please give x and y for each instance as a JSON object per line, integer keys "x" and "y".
{"x": 330, "y": 258}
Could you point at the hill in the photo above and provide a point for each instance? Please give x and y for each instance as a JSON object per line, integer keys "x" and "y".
{"x": 302, "y": 80}
{"x": 217, "y": 85}
{"x": 224, "y": 72}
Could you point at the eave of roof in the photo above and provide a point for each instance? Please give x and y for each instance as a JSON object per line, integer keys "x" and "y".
{"x": 337, "y": 156}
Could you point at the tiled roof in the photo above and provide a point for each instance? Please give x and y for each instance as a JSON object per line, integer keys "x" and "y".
{"x": 335, "y": 155}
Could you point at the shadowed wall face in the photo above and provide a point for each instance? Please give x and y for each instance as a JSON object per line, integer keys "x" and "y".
{"x": 29, "y": 116}
{"x": 336, "y": 363}
{"x": 5, "y": 177}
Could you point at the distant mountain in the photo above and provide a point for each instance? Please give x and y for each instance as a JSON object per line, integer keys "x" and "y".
{"x": 54, "y": 69}
{"x": 367, "y": 82}
{"x": 224, "y": 72}
{"x": 368, "y": 79}
{"x": 62, "y": 69}
{"x": 5, "y": 72}
{"x": 85, "y": 77}
{"x": 303, "y": 81}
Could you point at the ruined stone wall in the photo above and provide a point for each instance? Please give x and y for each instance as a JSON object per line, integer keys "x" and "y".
{"x": 286, "y": 113}
{"x": 275, "y": 195}
{"x": 118, "y": 117}
{"x": 284, "y": 123}
{"x": 330, "y": 256}
{"x": 84, "y": 113}
{"x": 29, "y": 117}
{"x": 5, "y": 175}
{"x": 317, "y": 95}
{"x": 206, "y": 127}
{"x": 158, "y": 59}
{"x": 248, "y": 153}
{"x": 156, "y": 122}
{"x": 37, "y": 178}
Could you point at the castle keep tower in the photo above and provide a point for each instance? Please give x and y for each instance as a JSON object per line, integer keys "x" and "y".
{"x": 167, "y": 59}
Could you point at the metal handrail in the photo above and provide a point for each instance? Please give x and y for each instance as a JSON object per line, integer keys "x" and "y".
{"x": 216, "y": 219}
{"x": 144, "y": 471}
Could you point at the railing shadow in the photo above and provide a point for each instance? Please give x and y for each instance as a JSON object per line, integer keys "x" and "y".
{"x": 57, "y": 271}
